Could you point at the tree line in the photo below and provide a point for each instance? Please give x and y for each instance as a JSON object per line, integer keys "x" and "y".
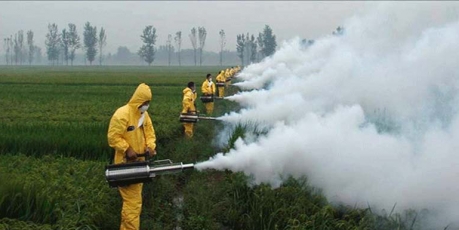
{"x": 246, "y": 45}
{"x": 251, "y": 49}
{"x": 61, "y": 46}
{"x": 19, "y": 51}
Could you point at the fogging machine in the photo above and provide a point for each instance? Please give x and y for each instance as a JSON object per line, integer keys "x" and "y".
{"x": 221, "y": 84}
{"x": 141, "y": 171}
{"x": 193, "y": 118}
{"x": 209, "y": 98}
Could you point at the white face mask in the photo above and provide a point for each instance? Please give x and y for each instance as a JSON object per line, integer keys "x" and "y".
{"x": 144, "y": 108}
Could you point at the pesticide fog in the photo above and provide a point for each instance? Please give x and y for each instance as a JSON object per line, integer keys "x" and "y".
{"x": 370, "y": 116}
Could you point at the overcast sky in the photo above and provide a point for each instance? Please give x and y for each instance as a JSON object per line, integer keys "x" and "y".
{"x": 125, "y": 20}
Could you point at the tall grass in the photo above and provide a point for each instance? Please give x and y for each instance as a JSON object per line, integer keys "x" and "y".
{"x": 27, "y": 202}
{"x": 52, "y": 190}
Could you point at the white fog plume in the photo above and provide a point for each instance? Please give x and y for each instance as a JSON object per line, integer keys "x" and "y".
{"x": 370, "y": 116}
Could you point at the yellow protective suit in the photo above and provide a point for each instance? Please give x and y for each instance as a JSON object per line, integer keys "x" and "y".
{"x": 126, "y": 131}
{"x": 221, "y": 78}
{"x": 208, "y": 88}
{"x": 188, "y": 104}
{"x": 227, "y": 77}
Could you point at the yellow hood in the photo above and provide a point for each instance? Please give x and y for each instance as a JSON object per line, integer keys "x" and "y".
{"x": 141, "y": 95}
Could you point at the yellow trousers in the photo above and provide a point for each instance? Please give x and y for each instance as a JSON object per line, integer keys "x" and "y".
{"x": 209, "y": 108}
{"x": 188, "y": 129}
{"x": 221, "y": 91}
{"x": 132, "y": 206}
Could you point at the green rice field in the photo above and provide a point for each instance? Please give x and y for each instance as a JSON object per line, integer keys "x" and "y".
{"x": 53, "y": 150}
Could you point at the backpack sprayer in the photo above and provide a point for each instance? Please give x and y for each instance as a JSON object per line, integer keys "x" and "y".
{"x": 141, "y": 171}
{"x": 193, "y": 118}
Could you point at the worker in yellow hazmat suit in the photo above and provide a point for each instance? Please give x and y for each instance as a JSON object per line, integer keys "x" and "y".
{"x": 227, "y": 77}
{"x": 238, "y": 68}
{"x": 232, "y": 71}
{"x": 221, "y": 79}
{"x": 131, "y": 132}
{"x": 189, "y": 107}
{"x": 208, "y": 89}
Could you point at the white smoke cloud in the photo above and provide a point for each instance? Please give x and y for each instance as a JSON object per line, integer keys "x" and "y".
{"x": 370, "y": 116}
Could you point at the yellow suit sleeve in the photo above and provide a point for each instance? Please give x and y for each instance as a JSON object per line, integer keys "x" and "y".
{"x": 187, "y": 104}
{"x": 204, "y": 88}
{"x": 150, "y": 136}
{"x": 220, "y": 78}
{"x": 116, "y": 129}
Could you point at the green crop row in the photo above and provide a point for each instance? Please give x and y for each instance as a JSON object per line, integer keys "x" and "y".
{"x": 66, "y": 193}
{"x": 67, "y": 112}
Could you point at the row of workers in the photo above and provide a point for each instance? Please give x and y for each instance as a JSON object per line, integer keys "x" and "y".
{"x": 224, "y": 79}
{"x": 131, "y": 132}
{"x": 208, "y": 88}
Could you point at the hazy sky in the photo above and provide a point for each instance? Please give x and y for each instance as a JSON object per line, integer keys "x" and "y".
{"x": 125, "y": 20}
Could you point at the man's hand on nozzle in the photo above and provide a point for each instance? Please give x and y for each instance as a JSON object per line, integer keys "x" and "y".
{"x": 130, "y": 154}
{"x": 151, "y": 152}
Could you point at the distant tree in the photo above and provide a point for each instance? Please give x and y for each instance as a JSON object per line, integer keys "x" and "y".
{"x": 102, "y": 43}
{"x": 240, "y": 47}
{"x": 11, "y": 45}
{"x": 222, "y": 45}
{"x": 306, "y": 42}
{"x": 252, "y": 48}
{"x": 7, "y": 47}
{"x": 60, "y": 60}
{"x": 21, "y": 46}
{"x": 193, "y": 39}
{"x": 90, "y": 42}
{"x": 123, "y": 55}
{"x": 52, "y": 43}
{"x": 16, "y": 49}
{"x": 260, "y": 46}
{"x": 147, "y": 51}
{"x": 338, "y": 31}
{"x": 109, "y": 58}
{"x": 38, "y": 54}
{"x": 169, "y": 48}
{"x": 65, "y": 40}
{"x": 31, "y": 46}
{"x": 164, "y": 53}
{"x": 202, "y": 34}
{"x": 178, "y": 43}
{"x": 74, "y": 42}
{"x": 268, "y": 41}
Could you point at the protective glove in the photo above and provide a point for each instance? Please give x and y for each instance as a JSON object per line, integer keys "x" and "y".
{"x": 151, "y": 152}
{"x": 130, "y": 154}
